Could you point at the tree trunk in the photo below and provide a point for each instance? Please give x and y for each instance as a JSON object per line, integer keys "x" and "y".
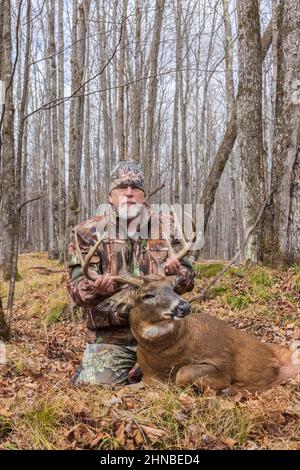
{"x": 159, "y": 11}
{"x": 4, "y": 329}
{"x": 226, "y": 146}
{"x": 107, "y": 128}
{"x": 54, "y": 169}
{"x": 175, "y": 191}
{"x": 61, "y": 130}
{"x": 229, "y": 83}
{"x": 77, "y": 110}
{"x": 121, "y": 126}
{"x": 282, "y": 216}
{"x": 249, "y": 113}
{"x": 137, "y": 93}
{"x": 8, "y": 190}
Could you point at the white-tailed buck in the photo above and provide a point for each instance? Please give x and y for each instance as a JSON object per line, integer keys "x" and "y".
{"x": 183, "y": 347}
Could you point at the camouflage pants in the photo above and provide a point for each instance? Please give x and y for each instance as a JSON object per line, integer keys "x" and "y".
{"x": 106, "y": 364}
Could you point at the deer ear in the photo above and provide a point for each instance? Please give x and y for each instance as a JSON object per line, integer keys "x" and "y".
{"x": 130, "y": 296}
{"x": 122, "y": 300}
{"x": 173, "y": 280}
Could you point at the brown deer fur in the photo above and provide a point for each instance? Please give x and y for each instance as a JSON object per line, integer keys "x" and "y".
{"x": 182, "y": 347}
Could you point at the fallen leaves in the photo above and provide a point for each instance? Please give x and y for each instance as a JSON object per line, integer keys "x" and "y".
{"x": 85, "y": 436}
{"x": 41, "y": 361}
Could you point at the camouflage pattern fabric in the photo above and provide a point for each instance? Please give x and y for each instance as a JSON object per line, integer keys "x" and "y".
{"x": 106, "y": 364}
{"x": 127, "y": 173}
{"x": 107, "y": 316}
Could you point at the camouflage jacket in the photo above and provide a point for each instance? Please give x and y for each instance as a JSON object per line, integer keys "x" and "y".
{"x": 99, "y": 312}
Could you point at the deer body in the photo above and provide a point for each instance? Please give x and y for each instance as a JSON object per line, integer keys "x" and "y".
{"x": 187, "y": 348}
{"x": 197, "y": 348}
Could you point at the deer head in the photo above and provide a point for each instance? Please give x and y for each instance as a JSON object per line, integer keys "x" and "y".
{"x": 155, "y": 307}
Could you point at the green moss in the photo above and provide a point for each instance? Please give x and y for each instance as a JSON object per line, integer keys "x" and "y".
{"x": 238, "y": 271}
{"x": 219, "y": 290}
{"x": 208, "y": 270}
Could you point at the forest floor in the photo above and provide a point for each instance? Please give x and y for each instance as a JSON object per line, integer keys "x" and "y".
{"x": 40, "y": 409}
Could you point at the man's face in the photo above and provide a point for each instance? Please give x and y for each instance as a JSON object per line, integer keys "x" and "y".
{"x": 128, "y": 201}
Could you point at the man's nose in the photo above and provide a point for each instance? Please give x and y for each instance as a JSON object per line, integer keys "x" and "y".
{"x": 129, "y": 191}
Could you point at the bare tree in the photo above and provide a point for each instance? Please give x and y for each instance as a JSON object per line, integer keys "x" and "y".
{"x": 282, "y": 218}
{"x": 7, "y": 186}
{"x": 77, "y": 108}
{"x": 249, "y": 112}
{"x": 159, "y": 11}
{"x": 54, "y": 157}
{"x": 121, "y": 125}
{"x": 226, "y": 145}
{"x": 61, "y": 128}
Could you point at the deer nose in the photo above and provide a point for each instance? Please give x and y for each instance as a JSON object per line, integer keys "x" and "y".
{"x": 182, "y": 309}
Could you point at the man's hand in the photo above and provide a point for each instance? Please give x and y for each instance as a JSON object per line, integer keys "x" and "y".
{"x": 104, "y": 284}
{"x": 172, "y": 267}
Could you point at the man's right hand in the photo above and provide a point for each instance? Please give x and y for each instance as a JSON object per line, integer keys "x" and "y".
{"x": 104, "y": 284}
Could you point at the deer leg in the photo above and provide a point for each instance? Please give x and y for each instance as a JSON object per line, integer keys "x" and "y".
{"x": 203, "y": 376}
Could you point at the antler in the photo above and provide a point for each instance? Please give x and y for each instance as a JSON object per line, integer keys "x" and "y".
{"x": 92, "y": 275}
{"x": 187, "y": 245}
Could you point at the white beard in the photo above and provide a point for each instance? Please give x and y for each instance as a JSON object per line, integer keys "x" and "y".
{"x": 129, "y": 212}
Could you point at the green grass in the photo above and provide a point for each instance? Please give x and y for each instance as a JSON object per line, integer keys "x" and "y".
{"x": 297, "y": 269}
{"x": 42, "y": 421}
{"x": 5, "y": 426}
{"x": 239, "y": 301}
{"x": 261, "y": 277}
{"x": 56, "y": 313}
{"x": 297, "y": 284}
{"x": 261, "y": 293}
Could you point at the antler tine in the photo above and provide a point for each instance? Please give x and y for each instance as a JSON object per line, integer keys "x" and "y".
{"x": 85, "y": 262}
{"x": 126, "y": 277}
{"x": 186, "y": 245}
{"x": 78, "y": 252}
{"x": 131, "y": 280}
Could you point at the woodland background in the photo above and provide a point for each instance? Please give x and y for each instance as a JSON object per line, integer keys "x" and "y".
{"x": 204, "y": 93}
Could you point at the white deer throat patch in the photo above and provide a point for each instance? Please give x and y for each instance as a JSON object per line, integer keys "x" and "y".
{"x": 156, "y": 331}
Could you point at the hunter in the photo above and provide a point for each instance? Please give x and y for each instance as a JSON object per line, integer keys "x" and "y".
{"x": 133, "y": 236}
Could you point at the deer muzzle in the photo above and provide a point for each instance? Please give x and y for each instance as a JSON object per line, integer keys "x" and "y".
{"x": 181, "y": 310}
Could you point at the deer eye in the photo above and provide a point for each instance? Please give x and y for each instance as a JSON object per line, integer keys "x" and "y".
{"x": 148, "y": 296}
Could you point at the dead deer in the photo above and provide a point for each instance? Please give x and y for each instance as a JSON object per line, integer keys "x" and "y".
{"x": 191, "y": 348}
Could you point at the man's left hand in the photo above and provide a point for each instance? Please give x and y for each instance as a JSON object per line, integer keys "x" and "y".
{"x": 172, "y": 267}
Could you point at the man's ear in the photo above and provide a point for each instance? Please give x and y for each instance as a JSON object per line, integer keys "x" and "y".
{"x": 110, "y": 199}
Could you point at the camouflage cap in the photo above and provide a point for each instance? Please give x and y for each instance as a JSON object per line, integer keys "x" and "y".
{"x": 127, "y": 173}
